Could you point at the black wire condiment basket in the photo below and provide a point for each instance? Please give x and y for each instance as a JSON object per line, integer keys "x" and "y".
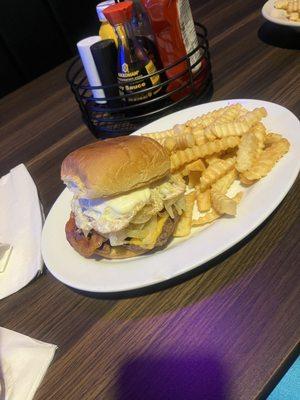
{"x": 105, "y": 120}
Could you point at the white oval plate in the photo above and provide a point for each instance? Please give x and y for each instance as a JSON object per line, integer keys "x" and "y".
{"x": 184, "y": 254}
{"x": 277, "y": 16}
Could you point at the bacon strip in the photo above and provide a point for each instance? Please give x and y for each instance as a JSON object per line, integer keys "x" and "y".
{"x": 86, "y": 246}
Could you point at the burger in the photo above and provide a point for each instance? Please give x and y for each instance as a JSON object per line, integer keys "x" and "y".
{"x": 125, "y": 202}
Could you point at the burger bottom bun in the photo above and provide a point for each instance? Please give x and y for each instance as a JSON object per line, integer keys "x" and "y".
{"x": 118, "y": 252}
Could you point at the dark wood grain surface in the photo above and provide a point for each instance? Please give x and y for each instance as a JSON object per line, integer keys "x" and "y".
{"x": 226, "y": 333}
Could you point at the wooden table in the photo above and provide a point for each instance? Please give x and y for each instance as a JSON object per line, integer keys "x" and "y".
{"x": 226, "y": 333}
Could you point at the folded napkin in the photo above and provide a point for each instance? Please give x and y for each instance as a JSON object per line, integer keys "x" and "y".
{"x": 23, "y": 364}
{"x": 20, "y": 230}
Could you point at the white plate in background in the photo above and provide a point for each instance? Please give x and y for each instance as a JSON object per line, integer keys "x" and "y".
{"x": 277, "y": 16}
{"x": 184, "y": 254}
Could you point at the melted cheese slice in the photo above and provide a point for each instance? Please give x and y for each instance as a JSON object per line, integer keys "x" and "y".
{"x": 149, "y": 241}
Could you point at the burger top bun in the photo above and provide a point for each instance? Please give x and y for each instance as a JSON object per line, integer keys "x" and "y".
{"x": 111, "y": 167}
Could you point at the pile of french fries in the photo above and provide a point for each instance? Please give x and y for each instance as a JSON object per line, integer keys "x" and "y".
{"x": 291, "y": 7}
{"x": 213, "y": 151}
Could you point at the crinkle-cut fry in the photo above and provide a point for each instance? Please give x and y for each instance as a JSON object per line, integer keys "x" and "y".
{"x": 184, "y": 225}
{"x": 224, "y": 183}
{"x": 206, "y": 219}
{"x": 183, "y": 171}
{"x": 198, "y": 131}
{"x": 259, "y": 126}
{"x": 194, "y": 178}
{"x": 193, "y": 153}
{"x": 197, "y": 165}
{"x": 260, "y": 135}
{"x": 178, "y": 178}
{"x": 230, "y": 114}
{"x": 160, "y": 135}
{"x": 199, "y": 136}
{"x": 181, "y": 129}
{"x": 247, "y": 152}
{"x": 213, "y": 158}
{"x": 208, "y": 118}
{"x": 200, "y": 140}
{"x": 215, "y": 171}
{"x": 222, "y": 203}
{"x": 254, "y": 116}
{"x": 294, "y": 16}
{"x": 234, "y": 128}
{"x": 267, "y": 160}
{"x": 205, "y": 119}
{"x": 179, "y": 142}
{"x": 245, "y": 181}
{"x": 281, "y": 4}
{"x": 238, "y": 197}
{"x": 272, "y": 138}
{"x": 203, "y": 200}
{"x": 293, "y": 6}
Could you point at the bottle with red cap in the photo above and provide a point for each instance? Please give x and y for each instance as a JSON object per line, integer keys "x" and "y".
{"x": 174, "y": 30}
{"x": 133, "y": 61}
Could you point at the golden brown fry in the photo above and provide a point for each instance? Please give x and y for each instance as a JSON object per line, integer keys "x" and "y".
{"x": 238, "y": 197}
{"x": 230, "y": 114}
{"x": 254, "y": 116}
{"x": 294, "y": 16}
{"x": 215, "y": 171}
{"x": 181, "y": 129}
{"x": 235, "y": 128}
{"x": 224, "y": 183}
{"x": 194, "y": 177}
{"x": 208, "y": 118}
{"x": 259, "y": 127}
{"x": 178, "y": 178}
{"x": 197, "y": 165}
{"x": 246, "y": 181}
{"x": 179, "y": 142}
{"x": 203, "y": 200}
{"x": 205, "y": 119}
{"x": 199, "y": 140}
{"x": 247, "y": 152}
{"x": 160, "y": 135}
{"x": 293, "y": 6}
{"x": 222, "y": 203}
{"x": 185, "y": 223}
{"x": 213, "y": 158}
{"x": 198, "y": 131}
{"x": 272, "y": 138}
{"x": 281, "y": 4}
{"x": 206, "y": 219}
{"x": 267, "y": 160}
{"x": 193, "y": 153}
{"x": 260, "y": 132}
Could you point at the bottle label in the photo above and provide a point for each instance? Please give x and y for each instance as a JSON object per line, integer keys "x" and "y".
{"x": 150, "y": 68}
{"x": 127, "y": 83}
{"x": 188, "y": 31}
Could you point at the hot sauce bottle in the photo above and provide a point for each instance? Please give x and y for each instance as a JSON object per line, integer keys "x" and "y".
{"x": 174, "y": 29}
{"x": 133, "y": 61}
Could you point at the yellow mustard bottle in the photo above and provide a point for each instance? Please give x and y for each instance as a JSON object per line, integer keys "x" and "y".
{"x": 106, "y": 31}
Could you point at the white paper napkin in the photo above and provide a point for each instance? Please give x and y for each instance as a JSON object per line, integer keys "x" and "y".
{"x": 20, "y": 227}
{"x": 23, "y": 364}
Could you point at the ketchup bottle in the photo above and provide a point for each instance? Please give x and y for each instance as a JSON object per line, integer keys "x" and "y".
{"x": 174, "y": 29}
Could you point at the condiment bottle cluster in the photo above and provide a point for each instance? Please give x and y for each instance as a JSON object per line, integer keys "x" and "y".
{"x": 136, "y": 39}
